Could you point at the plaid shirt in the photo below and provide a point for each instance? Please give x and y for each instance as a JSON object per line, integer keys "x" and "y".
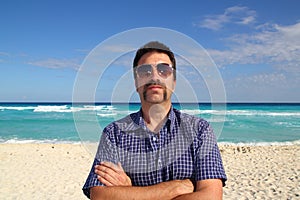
{"x": 184, "y": 148}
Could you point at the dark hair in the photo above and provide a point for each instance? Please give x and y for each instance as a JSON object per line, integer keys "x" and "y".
{"x": 158, "y": 47}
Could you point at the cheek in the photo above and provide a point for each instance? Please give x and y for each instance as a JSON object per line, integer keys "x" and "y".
{"x": 171, "y": 85}
{"x": 138, "y": 85}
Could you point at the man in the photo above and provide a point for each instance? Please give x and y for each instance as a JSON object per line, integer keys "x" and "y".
{"x": 157, "y": 152}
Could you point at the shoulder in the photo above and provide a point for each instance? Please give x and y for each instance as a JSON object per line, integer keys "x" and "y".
{"x": 193, "y": 126}
{"x": 129, "y": 122}
{"x": 192, "y": 120}
{"x": 115, "y": 131}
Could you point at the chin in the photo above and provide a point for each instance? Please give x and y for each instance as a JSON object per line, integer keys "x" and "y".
{"x": 150, "y": 100}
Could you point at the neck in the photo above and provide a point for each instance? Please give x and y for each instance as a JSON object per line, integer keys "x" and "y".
{"x": 155, "y": 115}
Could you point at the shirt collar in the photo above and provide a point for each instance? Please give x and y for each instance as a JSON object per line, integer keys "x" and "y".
{"x": 140, "y": 121}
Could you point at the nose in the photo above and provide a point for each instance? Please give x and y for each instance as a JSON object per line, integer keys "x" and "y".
{"x": 154, "y": 74}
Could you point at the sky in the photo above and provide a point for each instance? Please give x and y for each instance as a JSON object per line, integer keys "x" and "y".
{"x": 46, "y": 48}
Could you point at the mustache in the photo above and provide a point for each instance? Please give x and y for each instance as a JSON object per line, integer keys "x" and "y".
{"x": 153, "y": 82}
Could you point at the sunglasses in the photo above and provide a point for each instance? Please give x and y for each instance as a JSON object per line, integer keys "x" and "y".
{"x": 164, "y": 70}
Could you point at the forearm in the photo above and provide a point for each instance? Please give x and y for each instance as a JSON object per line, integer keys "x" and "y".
{"x": 165, "y": 190}
{"x": 203, "y": 195}
{"x": 210, "y": 189}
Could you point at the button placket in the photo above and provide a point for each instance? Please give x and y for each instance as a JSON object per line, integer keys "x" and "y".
{"x": 154, "y": 138}
{"x": 159, "y": 158}
{"x": 154, "y": 142}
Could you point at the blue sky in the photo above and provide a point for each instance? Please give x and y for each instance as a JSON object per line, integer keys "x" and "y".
{"x": 255, "y": 45}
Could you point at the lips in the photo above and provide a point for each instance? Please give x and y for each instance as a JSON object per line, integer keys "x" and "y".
{"x": 154, "y": 87}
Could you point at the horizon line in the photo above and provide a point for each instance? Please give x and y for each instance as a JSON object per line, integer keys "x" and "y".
{"x": 136, "y": 102}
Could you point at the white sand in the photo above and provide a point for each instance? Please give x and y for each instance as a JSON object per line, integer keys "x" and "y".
{"x": 58, "y": 171}
{"x": 262, "y": 172}
{"x": 43, "y": 171}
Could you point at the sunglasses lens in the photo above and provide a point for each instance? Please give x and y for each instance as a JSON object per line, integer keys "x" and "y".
{"x": 144, "y": 71}
{"x": 164, "y": 70}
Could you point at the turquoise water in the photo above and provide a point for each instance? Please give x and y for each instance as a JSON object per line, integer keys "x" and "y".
{"x": 64, "y": 122}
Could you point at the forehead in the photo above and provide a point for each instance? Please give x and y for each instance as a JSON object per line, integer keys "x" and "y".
{"x": 154, "y": 57}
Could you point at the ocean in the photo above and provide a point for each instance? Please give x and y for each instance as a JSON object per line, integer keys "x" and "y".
{"x": 251, "y": 123}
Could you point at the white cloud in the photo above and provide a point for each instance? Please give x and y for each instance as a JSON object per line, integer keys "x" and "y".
{"x": 279, "y": 46}
{"x": 83, "y": 50}
{"x": 268, "y": 44}
{"x": 267, "y": 79}
{"x": 4, "y": 54}
{"x": 54, "y": 63}
{"x": 264, "y": 87}
{"x": 232, "y": 15}
{"x": 274, "y": 45}
{"x": 75, "y": 63}
{"x": 247, "y": 20}
{"x": 118, "y": 48}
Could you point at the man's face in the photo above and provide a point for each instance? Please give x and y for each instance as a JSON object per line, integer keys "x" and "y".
{"x": 154, "y": 88}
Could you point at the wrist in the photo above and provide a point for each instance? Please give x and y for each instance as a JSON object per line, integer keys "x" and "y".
{"x": 176, "y": 188}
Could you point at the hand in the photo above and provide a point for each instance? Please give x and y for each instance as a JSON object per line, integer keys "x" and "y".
{"x": 112, "y": 175}
{"x": 186, "y": 186}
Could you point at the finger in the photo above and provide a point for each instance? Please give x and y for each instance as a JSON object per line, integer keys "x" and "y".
{"x": 103, "y": 170}
{"x": 111, "y": 166}
{"x": 123, "y": 176}
{"x": 114, "y": 178}
{"x": 107, "y": 169}
{"x": 121, "y": 171}
{"x": 97, "y": 167}
{"x": 104, "y": 181}
{"x": 112, "y": 174}
{"x": 106, "y": 178}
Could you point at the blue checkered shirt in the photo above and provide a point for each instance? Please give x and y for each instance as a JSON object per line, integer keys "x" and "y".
{"x": 185, "y": 148}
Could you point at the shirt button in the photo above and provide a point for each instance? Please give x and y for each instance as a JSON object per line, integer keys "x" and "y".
{"x": 154, "y": 139}
{"x": 159, "y": 163}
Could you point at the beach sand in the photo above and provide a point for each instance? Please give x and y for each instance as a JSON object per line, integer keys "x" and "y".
{"x": 58, "y": 171}
{"x": 262, "y": 172}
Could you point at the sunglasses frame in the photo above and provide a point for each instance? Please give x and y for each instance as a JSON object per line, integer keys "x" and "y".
{"x": 151, "y": 72}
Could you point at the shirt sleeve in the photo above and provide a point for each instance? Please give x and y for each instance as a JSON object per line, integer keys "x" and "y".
{"x": 208, "y": 158}
{"x": 107, "y": 151}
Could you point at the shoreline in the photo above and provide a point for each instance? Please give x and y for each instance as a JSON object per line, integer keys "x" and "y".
{"x": 220, "y": 143}
{"x": 79, "y": 142}
{"x": 58, "y": 171}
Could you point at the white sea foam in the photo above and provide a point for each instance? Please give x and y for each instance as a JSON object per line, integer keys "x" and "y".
{"x": 291, "y": 124}
{"x": 261, "y": 113}
{"x": 198, "y": 112}
{"x": 31, "y": 141}
{"x": 296, "y": 142}
{"x": 63, "y": 108}
{"x": 240, "y": 112}
{"x": 19, "y": 108}
{"x": 106, "y": 114}
{"x": 219, "y": 120}
{"x": 66, "y": 108}
{"x": 101, "y": 107}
